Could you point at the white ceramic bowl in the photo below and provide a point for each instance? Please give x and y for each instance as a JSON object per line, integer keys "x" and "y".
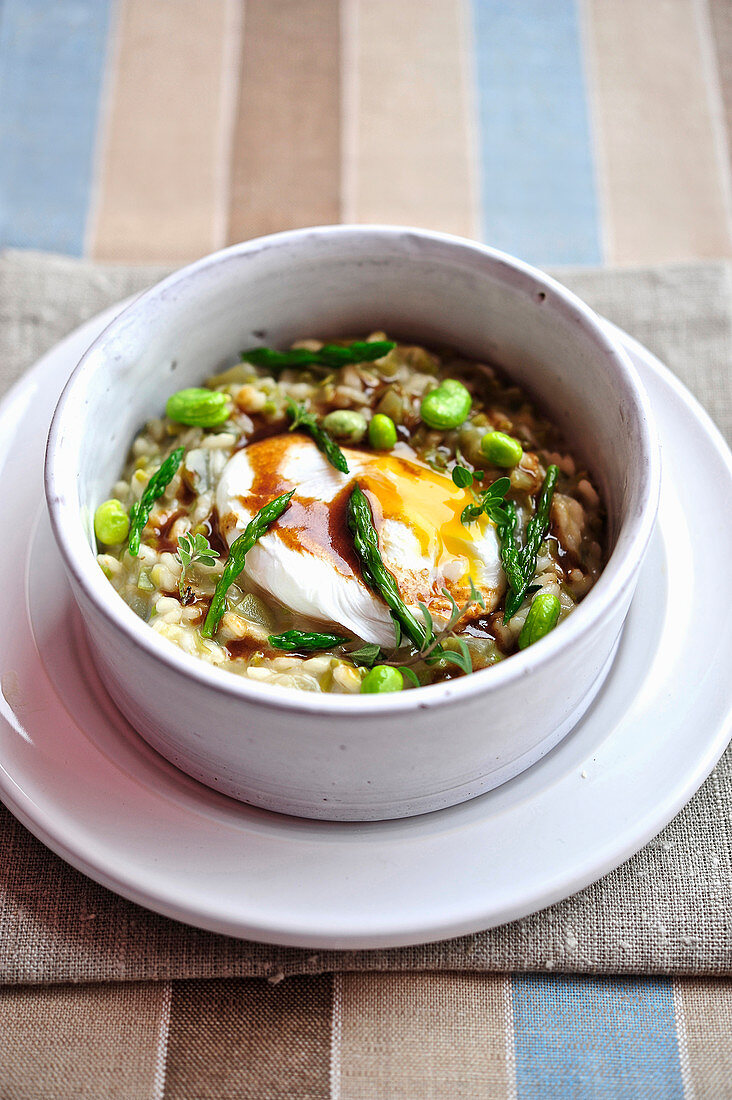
{"x": 366, "y": 757}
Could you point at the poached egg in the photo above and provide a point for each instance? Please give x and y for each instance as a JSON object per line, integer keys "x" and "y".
{"x": 307, "y": 562}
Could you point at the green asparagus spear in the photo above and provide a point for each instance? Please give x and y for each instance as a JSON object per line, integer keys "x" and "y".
{"x": 375, "y": 573}
{"x": 156, "y": 486}
{"x": 301, "y": 418}
{"x": 238, "y": 551}
{"x": 510, "y": 553}
{"x": 330, "y": 355}
{"x": 305, "y": 641}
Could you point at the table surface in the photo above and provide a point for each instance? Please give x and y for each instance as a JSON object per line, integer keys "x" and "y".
{"x": 569, "y": 132}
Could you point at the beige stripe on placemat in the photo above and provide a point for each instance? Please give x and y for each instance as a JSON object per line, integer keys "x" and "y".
{"x": 161, "y": 174}
{"x": 246, "y": 1039}
{"x": 663, "y": 183}
{"x": 422, "y": 1036}
{"x": 704, "y": 1027}
{"x": 720, "y": 17}
{"x": 286, "y": 156}
{"x": 84, "y": 1041}
{"x": 409, "y": 143}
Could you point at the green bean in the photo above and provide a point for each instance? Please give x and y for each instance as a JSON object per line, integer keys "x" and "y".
{"x": 447, "y": 406}
{"x": 346, "y": 424}
{"x": 382, "y": 432}
{"x": 375, "y": 573}
{"x": 156, "y": 486}
{"x": 111, "y": 522}
{"x": 542, "y": 618}
{"x": 382, "y": 678}
{"x": 238, "y": 551}
{"x": 501, "y": 449}
{"x": 198, "y": 407}
{"x": 305, "y": 641}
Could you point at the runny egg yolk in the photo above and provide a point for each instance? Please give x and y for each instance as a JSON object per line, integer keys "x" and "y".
{"x": 430, "y": 505}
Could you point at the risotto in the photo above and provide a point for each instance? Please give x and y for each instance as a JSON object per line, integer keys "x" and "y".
{"x": 352, "y": 517}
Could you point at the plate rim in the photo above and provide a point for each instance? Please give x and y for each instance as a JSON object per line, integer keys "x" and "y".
{"x": 34, "y": 816}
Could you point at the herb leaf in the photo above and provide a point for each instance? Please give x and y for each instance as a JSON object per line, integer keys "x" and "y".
{"x": 490, "y": 501}
{"x": 475, "y": 594}
{"x": 536, "y": 530}
{"x": 306, "y": 641}
{"x": 301, "y": 418}
{"x": 366, "y": 655}
{"x": 375, "y": 573}
{"x": 193, "y": 549}
{"x": 330, "y": 355}
{"x": 410, "y": 675}
{"x": 238, "y": 551}
{"x": 470, "y": 513}
{"x": 156, "y": 486}
{"x": 427, "y": 617}
{"x": 461, "y": 658}
{"x": 462, "y": 477}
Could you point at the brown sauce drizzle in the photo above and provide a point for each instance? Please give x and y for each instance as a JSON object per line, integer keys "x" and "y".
{"x": 162, "y": 539}
{"x": 315, "y": 526}
{"x": 213, "y": 534}
{"x": 566, "y": 558}
{"x": 243, "y": 649}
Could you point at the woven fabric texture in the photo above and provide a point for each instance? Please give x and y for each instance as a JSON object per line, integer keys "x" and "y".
{"x": 368, "y": 1036}
{"x": 664, "y": 911}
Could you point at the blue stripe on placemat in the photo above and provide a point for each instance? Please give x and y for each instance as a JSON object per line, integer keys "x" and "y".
{"x": 537, "y": 184}
{"x": 595, "y": 1037}
{"x": 52, "y": 56}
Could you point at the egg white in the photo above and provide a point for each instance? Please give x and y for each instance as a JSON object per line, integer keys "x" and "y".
{"x": 310, "y": 578}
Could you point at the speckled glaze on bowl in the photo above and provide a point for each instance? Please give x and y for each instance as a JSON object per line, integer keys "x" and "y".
{"x": 366, "y": 757}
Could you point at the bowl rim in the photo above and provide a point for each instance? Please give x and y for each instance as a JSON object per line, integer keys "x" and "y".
{"x": 616, "y": 577}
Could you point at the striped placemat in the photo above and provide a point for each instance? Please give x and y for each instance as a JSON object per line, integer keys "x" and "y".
{"x": 665, "y": 911}
{"x": 571, "y": 132}
{"x": 565, "y": 131}
{"x": 371, "y": 1037}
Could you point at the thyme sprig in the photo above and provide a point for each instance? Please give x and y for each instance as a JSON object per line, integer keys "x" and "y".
{"x": 519, "y": 563}
{"x": 371, "y": 653}
{"x": 536, "y": 531}
{"x": 490, "y": 501}
{"x": 193, "y": 550}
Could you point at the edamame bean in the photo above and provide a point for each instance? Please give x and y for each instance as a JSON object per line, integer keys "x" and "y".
{"x": 501, "y": 449}
{"x": 346, "y": 424}
{"x": 541, "y": 619}
{"x": 198, "y": 407}
{"x": 382, "y": 432}
{"x": 111, "y": 522}
{"x": 382, "y": 678}
{"x": 447, "y": 406}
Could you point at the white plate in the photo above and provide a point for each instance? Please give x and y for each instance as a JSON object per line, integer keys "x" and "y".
{"x": 78, "y": 776}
